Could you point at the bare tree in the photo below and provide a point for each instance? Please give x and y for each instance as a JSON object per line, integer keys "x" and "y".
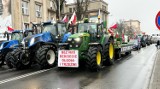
{"x": 81, "y": 8}
{"x": 120, "y": 28}
{"x": 56, "y": 5}
{"x": 125, "y": 29}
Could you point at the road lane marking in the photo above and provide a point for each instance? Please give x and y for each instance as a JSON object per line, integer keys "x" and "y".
{"x": 23, "y": 76}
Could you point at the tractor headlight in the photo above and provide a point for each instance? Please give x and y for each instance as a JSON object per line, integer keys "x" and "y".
{"x": 69, "y": 39}
{"x": 77, "y": 39}
{"x": 32, "y": 41}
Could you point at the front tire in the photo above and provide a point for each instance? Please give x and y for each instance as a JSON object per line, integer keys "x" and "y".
{"x": 8, "y": 59}
{"x": 94, "y": 59}
{"x": 109, "y": 52}
{"x": 26, "y": 62}
{"x": 118, "y": 54}
{"x": 16, "y": 61}
{"x": 46, "y": 56}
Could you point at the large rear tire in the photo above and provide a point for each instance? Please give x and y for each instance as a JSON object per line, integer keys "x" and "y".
{"x": 94, "y": 59}
{"x": 46, "y": 56}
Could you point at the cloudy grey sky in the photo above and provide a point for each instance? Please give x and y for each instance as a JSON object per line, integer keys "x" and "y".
{"x": 143, "y": 10}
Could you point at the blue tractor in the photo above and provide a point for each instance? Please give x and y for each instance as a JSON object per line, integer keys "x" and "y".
{"x": 39, "y": 48}
{"x": 13, "y": 42}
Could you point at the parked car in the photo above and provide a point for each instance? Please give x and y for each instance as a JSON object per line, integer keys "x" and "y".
{"x": 137, "y": 44}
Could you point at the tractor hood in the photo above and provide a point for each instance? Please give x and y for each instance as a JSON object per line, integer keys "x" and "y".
{"x": 9, "y": 44}
{"x": 79, "y": 35}
{"x": 32, "y": 40}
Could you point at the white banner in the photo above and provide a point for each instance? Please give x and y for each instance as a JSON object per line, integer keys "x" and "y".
{"x": 68, "y": 58}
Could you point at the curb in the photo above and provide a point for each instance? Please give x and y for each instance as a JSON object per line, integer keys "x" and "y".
{"x": 153, "y": 70}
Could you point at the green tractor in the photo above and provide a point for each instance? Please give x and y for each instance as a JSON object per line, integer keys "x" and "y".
{"x": 90, "y": 44}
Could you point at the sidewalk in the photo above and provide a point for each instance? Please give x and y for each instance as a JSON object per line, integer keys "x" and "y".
{"x": 155, "y": 78}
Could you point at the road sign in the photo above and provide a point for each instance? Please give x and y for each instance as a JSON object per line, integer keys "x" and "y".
{"x": 157, "y": 20}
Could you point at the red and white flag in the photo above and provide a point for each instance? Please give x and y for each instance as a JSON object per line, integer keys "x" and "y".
{"x": 110, "y": 31}
{"x": 10, "y": 29}
{"x": 65, "y": 19}
{"x": 123, "y": 39}
{"x": 114, "y": 26}
{"x": 73, "y": 19}
{"x": 117, "y": 35}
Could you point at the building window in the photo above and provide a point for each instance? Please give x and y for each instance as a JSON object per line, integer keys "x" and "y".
{"x": 25, "y": 8}
{"x": 70, "y": 10}
{"x": 38, "y": 10}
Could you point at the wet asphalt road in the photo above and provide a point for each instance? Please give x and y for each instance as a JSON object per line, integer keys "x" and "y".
{"x": 131, "y": 72}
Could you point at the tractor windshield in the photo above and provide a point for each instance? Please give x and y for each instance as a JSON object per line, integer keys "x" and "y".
{"x": 50, "y": 28}
{"x": 87, "y": 27}
{"x": 17, "y": 36}
{"x": 61, "y": 29}
{"x": 30, "y": 33}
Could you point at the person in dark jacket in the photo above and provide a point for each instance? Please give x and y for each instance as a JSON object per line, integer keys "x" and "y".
{"x": 158, "y": 44}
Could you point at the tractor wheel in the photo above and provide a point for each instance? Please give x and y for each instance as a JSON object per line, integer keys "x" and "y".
{"x": 94, "y": 59}
{"x": 26, "y": 62}
{"x": 109, "y": 52}
{"x": 8, "y": 59}
{"x": 16, "y": 62}
{"x": 118, "y": 54}
{"x": 46, "y": 56}
{"x": 127, "y": 53}
{"x": 1, "y": 60}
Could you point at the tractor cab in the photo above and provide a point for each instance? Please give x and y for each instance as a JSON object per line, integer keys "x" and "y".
{"x": 57, "y": 30}
{"x": 93, "y": 30}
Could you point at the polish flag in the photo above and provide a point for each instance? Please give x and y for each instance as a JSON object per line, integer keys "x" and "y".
{"x": 117, "y": 35}
{"x": 111, "y": 31}
{"x": 73, "y": 19}
{"x": 114, "y": 26}
{"x": 123, "y": 39}
{"x": 10, "y": 29}
{"x": 65, "y": 19}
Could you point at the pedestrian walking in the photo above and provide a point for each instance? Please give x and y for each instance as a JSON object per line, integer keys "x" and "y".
{"x": 158, "y": 44}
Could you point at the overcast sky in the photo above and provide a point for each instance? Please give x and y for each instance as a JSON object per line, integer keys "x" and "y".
{"x": 143, "y": 10}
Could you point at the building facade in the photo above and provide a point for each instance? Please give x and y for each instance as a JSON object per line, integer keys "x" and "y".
{"x": 26, "y": 11}
{"x": 93, "y": 10}
{"x": 36, "y": 11}
{"x": 134, "y": 25}
{"x": 1, "y": 7}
